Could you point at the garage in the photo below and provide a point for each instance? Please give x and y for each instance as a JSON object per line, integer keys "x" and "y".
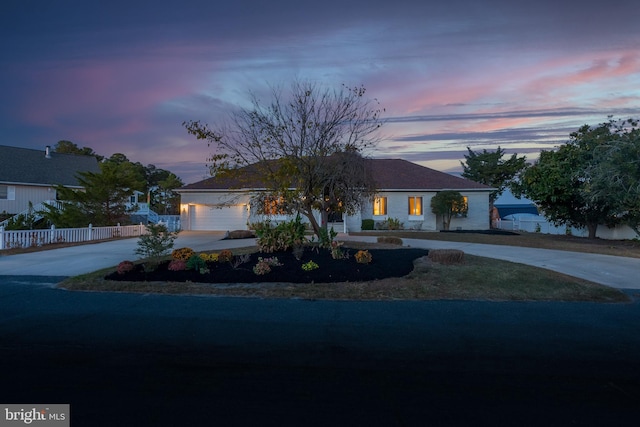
{"x": 226, "y": 218}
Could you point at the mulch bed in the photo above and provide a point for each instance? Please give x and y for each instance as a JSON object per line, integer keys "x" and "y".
{"x": 385, "y": 263}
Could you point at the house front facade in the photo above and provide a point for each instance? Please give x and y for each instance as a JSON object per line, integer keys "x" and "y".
{"x": 404, "y": 194}
{"x": 30, "y": 176}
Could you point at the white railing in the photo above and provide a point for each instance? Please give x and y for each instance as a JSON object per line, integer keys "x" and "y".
{"x": 33, "y": 210}
{"x": 27, "y": 238}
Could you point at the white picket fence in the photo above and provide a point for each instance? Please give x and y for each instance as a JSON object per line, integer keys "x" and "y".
{"x": 26, "y": 238}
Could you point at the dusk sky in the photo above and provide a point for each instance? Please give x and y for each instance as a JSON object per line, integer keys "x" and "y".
{"x": 121, "y": 76}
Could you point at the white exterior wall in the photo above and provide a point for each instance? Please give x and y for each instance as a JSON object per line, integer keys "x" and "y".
{"x": 398, "y": 208}
{"x": 23, "y": 195}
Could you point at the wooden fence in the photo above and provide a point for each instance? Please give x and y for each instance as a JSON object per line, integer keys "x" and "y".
{"x": 26, "y": 238}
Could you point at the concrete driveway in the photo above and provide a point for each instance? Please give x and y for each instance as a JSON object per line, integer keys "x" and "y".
{"x": 617, "y": 272}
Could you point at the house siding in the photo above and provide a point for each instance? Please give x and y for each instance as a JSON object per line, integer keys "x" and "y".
{"x": 25, "y": 194}
{"x": 397, "y": 208}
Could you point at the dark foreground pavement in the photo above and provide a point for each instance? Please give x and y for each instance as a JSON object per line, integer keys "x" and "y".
{"x": 150, "y": 360}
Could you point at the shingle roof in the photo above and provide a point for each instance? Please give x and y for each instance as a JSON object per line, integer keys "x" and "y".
{"x": 389, "y": 174}
{"x": 28, "y": 166}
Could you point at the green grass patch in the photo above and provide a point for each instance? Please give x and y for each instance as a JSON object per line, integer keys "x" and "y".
{"x": 478, "y": 278}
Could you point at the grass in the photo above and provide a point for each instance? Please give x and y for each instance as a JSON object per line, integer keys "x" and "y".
{"x": 477, "y": 278}
{"x": 626, "y": 248}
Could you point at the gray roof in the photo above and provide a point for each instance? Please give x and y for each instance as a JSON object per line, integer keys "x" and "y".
{"x": 28, "y": 166}
{"x": 389, "y": 174}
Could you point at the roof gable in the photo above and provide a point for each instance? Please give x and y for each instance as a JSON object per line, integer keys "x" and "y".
{"x": 390, "y": 174}
{"x": 28, "y": 166}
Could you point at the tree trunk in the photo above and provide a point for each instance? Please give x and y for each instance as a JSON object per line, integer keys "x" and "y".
{"x": 592, "y": 228}
{"x": 308, "y": 212}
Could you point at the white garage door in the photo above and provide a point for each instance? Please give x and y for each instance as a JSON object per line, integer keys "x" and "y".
{"x": 221, "y": 219}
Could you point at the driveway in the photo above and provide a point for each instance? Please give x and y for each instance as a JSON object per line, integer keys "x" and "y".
{"x": 160, "y": 360}
{"x": 617, "y": 272}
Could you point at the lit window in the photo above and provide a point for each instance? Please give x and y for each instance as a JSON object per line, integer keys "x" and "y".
{"x": 461, "y": 211}
{"x": 274, "y": 206}
{"x": 380, "y": 206}
{"x": 415, "y": 206}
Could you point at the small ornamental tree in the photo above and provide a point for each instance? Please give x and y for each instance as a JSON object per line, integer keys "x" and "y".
{"x": 447, "y": 204}
{"x": 307, "y": 145}
{"x": 157, "y": 243}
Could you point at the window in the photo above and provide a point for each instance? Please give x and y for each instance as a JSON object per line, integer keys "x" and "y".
{"x": 461, "y": 211}
{"x": 7, "y": 192}
{"x": 273, "y": 206}
{"x": 380, "y": 206}
{"x": 415, "y": 206}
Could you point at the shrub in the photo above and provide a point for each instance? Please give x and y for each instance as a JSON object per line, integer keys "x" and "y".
{"x": 157, "y": 242}
{"x": 308, "y": 266}
{"x": 225, "y": 255}
{"x": 325, "y": 237}
{"x": 182, "y": 254}
{"x": 446, "y": 256}
{"x": 261, "y": 268}
{"x": 125, "y": 266}
{"x": 363, "y": 257}
{"x": 271, "y": 261}
{"x": 196, "y": 263}
{"x": 392, "y": 240}
{"x": 391, "y": 224}
{"x": 336, "y": 250}
{"x": 209, "y": 257}
{"x": 177, "y": 265}
{"x": 281, "y": 237}
{"x": 367, "y": 224}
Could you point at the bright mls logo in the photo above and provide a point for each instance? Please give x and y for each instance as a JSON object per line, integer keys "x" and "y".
{"x": 37, "y": 415}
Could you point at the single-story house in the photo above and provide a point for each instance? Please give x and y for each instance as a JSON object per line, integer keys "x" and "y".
{"x": 404, "y": 193}
{"x": 28, "y": 175}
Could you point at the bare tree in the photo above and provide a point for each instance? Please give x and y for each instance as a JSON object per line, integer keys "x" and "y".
{"x": 308, "y": 147}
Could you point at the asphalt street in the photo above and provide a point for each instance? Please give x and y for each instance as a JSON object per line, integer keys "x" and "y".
{"x": 154, "y": 360}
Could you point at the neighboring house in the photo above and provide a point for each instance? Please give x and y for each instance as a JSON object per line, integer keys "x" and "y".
{"x": 508, "y": 204}
{"x": 28, "y": 175}
{"x": 405, "y": 190}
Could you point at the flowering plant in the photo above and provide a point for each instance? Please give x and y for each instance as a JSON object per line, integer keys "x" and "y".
{"x": 177, "y": 265}
{"x": 261, "y": 268}
{"x": 225, "y": 255}
{"x": 310, "y": 266}
{"x": 182, "y": 253}
{"x": 363, "y": 257}
{"x": 209, "y": 257}
{"x": 124, "y": 267}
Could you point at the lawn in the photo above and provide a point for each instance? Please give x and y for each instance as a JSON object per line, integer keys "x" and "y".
{"x": 477, "y": 278}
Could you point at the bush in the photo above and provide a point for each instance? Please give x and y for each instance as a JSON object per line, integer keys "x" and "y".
{"x": 367, "y": 224}
{"x": 308, "y": 266}
{"x": 182, "y": 254}
{"x": 391, "y": 224}
{"x": 177, "y": 265}
{"x": 225, "y": 256}
{"x": 282, "y": 237}
{"x": 363, "y": 257}
{"x": 262, "y": 268}
{"x": 198, "y": 264}
{"x": 124, "y": 267}
{"x": 209, "y": 257}
{"x": 390, "y": 240}
{"x": 446, "y": 256}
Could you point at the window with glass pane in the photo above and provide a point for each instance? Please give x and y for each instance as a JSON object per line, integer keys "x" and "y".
{"x": 4, "y": 192}
{"x": 415, "y": 205}
{"x": 380, "y": 206}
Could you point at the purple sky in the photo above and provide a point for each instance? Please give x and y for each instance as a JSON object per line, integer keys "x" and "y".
{"x": 121, "y": 76}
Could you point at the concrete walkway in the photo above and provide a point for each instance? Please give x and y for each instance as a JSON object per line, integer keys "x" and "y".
{"x": 617, "y": 272}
